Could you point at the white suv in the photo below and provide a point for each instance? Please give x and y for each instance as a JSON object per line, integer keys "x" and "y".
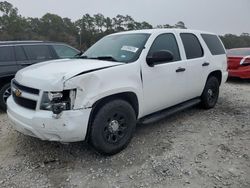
{"x": 125, "y": 78}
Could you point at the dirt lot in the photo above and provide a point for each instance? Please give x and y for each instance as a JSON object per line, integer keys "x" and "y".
{"x": 195, "y": 148}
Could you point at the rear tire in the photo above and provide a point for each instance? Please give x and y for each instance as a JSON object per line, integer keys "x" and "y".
{"x": 210, "y": 93}
{"x": 113, "y": 127}
{"x": 5, "y": 92}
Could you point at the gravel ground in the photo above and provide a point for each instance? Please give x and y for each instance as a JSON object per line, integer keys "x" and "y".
{"x": 194, "y": 148}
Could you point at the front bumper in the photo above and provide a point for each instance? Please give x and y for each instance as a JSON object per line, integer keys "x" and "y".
{"x": 241, "y": 72}
{"x": 71, "y": 126}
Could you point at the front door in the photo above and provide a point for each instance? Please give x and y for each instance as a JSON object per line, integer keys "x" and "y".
{"x": 164, "y": 84}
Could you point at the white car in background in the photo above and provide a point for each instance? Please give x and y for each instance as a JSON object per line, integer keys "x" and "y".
{"x": 125, "y": 78}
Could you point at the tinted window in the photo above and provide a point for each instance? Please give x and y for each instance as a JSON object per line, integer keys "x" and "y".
{"x": 20, "y": 55}
{"x": 214, "y": 44}
{"x": 6, "y": 54}
{"x": 65, "y": 51}
{"x": 165, "y": 42}
{"x": 38, "y": 52}
{"x": 192, "y": 46}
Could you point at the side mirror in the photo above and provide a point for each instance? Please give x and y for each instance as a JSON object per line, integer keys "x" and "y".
{"x": 159, "y": 57}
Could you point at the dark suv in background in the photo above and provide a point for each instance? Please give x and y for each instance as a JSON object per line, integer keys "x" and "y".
{"x": 15, "y": 55}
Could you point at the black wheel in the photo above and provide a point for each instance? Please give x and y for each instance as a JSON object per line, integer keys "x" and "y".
{"x": 210, "y": 94}
{"x": 113, "y": 127}
{"x": 5, "y": 92}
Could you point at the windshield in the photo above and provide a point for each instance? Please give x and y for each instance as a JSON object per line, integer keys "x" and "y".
{"x": 121, "y": 48}
{"x": 239, "y": 52}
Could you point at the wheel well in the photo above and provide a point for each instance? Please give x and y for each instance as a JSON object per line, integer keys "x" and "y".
{"x": 130, "y": 97}
{"x": 127, "y": 96}
{"x": 216, "y": 74}
{"x": 5, "y": 80}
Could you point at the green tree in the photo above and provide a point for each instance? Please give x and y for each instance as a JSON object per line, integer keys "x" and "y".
{"x": 118, "y": 23}
{"x": 234, "y": 41}
{"x": 12, "y": 25}
{"x": 180, "y": 25}
{"x": 99, "y": 21}
{"x": 88, "y": 29}
{"x": 108, "y": 24}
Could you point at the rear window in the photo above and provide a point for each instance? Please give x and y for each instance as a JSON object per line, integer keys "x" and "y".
{"x": 214, "y": 44}
{"x": 6, "y": 54}
{"x": 65, "y": 51}
{"x": 192, "y": 45}
{"x": 239, "y": 52}
{"x": 38, "y": 52}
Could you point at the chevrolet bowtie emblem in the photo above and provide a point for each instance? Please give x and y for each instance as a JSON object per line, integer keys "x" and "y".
{"x": 18, "y": 93}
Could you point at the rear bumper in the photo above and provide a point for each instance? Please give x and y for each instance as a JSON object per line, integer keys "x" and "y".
{"x": 70, "y": 127}
{"x": 241, "y": 72}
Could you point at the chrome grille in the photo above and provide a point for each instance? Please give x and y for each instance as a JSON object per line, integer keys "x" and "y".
{"x": 20, "y": 93}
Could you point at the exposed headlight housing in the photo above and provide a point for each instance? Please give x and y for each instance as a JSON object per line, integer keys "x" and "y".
{"x": 58, "y": 101}
{"x": 53, "y": 96}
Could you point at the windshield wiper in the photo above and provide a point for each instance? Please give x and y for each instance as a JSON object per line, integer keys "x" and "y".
{"x": 107, "y": 58}
{"x": 82, "y": 57}
{"x": 79, "y": 54}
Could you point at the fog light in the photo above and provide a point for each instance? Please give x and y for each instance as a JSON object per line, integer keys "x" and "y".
{"x": 57, "y": 108}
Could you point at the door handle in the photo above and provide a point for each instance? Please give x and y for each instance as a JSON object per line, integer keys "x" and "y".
{"x": 205, "y": 64}
{"x": 180, "y": 69}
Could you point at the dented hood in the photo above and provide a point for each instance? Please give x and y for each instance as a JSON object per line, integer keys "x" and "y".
{"x": 51, "y": 75}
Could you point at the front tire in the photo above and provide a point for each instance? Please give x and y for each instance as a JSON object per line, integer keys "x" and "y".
{"x": 5, "y": 92}
{"x": 113, "y": 127}
{"x": 210, "y": 93}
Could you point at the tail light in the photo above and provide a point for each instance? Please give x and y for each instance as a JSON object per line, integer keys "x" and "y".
{"x": 245, "y": 61}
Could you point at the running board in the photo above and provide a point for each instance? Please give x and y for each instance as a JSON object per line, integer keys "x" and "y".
{"x": 169, "y": 111}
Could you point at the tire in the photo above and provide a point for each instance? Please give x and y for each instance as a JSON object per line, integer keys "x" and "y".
{"x": 5, "y": 92}
{"x": 210, "y": 93}
{"x": 113, "y": 127}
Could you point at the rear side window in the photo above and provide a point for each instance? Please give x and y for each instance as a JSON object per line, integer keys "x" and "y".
{"x": 65, "y": 51}
{"x": 192, "y": 46}
{"x": 214, "y": 44}
{"x": 6, "y": 54}
{"x": 38, "y": 52}
{"x": 165, "y": 42}
{"x": 20, "y": 55}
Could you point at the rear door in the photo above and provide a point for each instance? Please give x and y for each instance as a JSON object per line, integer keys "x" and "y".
{"x": 197, "y": 64}
{"x": 21, "y": 57}
{"x": 38, "y": 53}
{"x": 216, "y": 53}
{"x": 8, "y": 66}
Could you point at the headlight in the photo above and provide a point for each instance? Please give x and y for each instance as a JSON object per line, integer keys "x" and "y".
{"x": 58, "y": 101}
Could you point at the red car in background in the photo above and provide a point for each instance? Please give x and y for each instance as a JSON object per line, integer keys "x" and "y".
{"x": 239, "y": 62}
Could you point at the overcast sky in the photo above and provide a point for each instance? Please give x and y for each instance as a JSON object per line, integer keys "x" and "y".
{"x": 219, "y": 16}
